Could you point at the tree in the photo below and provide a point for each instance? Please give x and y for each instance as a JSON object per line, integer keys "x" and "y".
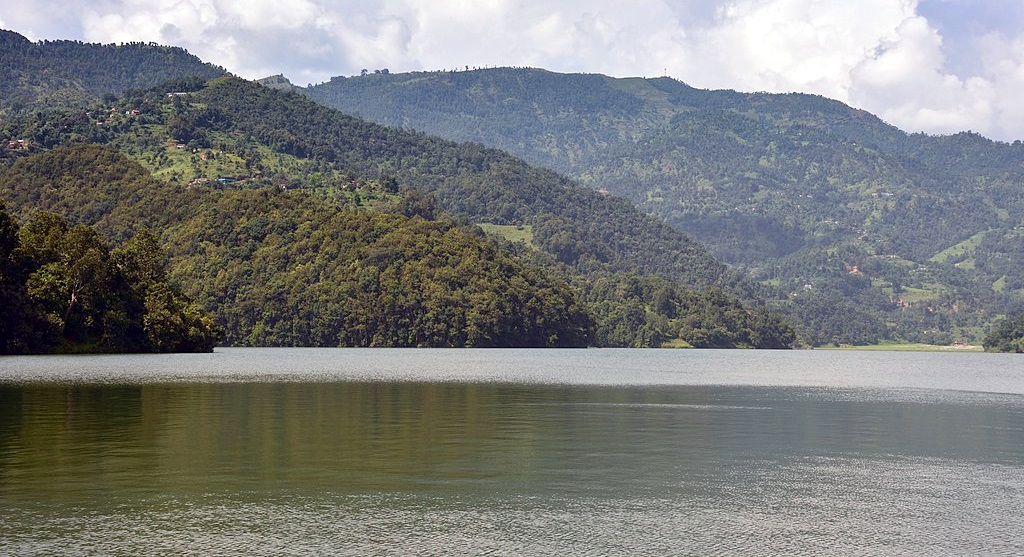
{"x": 62, "y": 289}
{"x": 73, "y": 283}
{"x": 1007, "y": 336}
{"x": 141, "y": 260}
{"x": 174, "y": 324}
{"x": 22, "y": 326}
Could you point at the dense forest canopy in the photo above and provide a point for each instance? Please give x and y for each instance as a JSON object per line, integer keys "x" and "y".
{"x": 862, "y": 231}
{"x": 285, "y": 268}
{"x": 64, "y": 290}
{"x": 281, "y": 267}
{"x": 1007, "y": 336}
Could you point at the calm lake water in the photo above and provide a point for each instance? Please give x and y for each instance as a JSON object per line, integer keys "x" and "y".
{"x": 512, "y": 452}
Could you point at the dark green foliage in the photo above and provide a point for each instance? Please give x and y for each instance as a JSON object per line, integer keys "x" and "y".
{"x": 23, "y": 328}
{"x": 284, "y": 269}
{"x": 241, "y": 270}
{"x": 641, "y": 312}
{"x": 1007, "y": 336}
{"x": 93, "y": 184}
{"x": 277, "y": 268}
{"x": 62, "y": 74}
{"x": 64, "y": 291}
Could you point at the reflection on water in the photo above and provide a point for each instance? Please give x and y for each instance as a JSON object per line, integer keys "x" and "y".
{"x": 418, "y": 467}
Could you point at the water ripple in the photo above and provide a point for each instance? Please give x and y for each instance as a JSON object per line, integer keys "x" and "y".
{"x": 813, "y": 506}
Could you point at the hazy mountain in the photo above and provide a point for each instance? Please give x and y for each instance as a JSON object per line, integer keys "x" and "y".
{"x": 826, "y": 202}
{"x": 279, "y": 82}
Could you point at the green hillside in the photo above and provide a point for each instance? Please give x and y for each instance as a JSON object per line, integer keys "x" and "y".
{"x": 59, "y": 74}
{"x": 298, "y": 225}
{"x": 284, "y": 268}
{"x": 866, "y": 231}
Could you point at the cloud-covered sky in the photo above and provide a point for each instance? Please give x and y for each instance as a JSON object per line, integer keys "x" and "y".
{"x": 938, "y": 66}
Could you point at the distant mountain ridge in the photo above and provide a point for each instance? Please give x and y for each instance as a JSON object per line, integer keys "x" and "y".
{"x": 57, "y": 74}
{"x": 826, "y": 203}
{"x": 666, "y": 146}
{"x": 556, "y": 119}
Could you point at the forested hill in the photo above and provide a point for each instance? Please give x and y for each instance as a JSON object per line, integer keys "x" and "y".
{"x": 285, "y": 268}
{"x": 756, "y": 176}
{"x": 52, "y": 74}
{"x": 873, "y": 232}
{"x": 567, "y": 122}
{"x": 582, "y": 228}
{"x": 297, "y": 224}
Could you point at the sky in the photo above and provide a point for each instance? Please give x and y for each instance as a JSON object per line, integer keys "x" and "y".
{"x": 934, "y": 66}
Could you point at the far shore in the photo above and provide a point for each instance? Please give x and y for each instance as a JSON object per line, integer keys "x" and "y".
{"x": 907, "y": 347}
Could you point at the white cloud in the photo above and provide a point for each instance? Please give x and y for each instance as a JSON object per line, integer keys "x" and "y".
{"x": 595, "y": 36}
{"x": 906, "y": 82}
{"x": 1002, "y": 61}
{"x": 881, "y": 55}
{"x": 258, "y": 16}
{"x": 793, "y": 45}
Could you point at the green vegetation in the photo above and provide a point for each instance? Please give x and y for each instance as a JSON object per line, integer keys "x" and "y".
{"x": 584, "y": 229}
{"x": 828, "y": 207}
{"x": 907, "y": 347}
{"x": 1007, "y": 336}
{"x": 644, "y": 312}
{"x": 960, "y": 251}
{"x": 295, "y": 224}
{"x": 512, "y": 233}
{"x": 73, "y": 74}
{"x": 285, "y": 268}
{"x": 285, "y": 140}
{"x": 64, "y": 290}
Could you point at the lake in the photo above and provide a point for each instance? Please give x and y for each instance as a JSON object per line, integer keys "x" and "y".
{"x": 512, "y": 452}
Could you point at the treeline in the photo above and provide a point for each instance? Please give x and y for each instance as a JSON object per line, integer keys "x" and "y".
{"x": 284, "y": 269}
{"x": 646, "y": 311}
{"x": 62, "y": 74}
{"x": 1007, "y": 336}
{"x": 64, "y": 290}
